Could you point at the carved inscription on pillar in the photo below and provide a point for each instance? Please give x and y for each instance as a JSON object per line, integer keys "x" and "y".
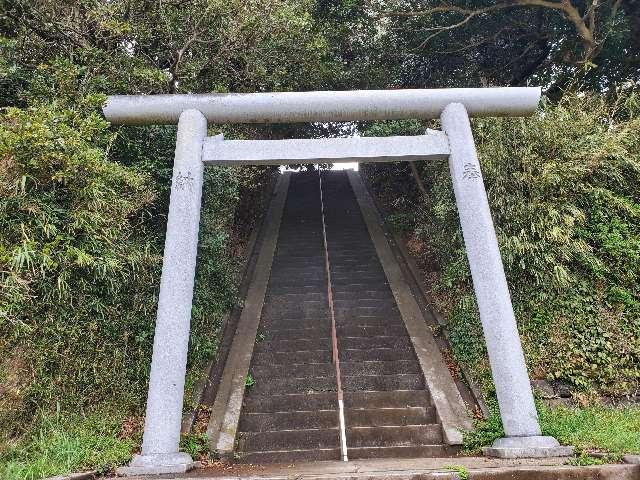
{"x": 185, "y": 182}
{"x": 470, "y": 171}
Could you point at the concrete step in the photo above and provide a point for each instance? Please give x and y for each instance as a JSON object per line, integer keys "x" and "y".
{"x": 374, "y": 342}
{"x": 283, "y": 358}
{"x": 376, "y": 354}
{"x": 298, "y": 297}
{"x": 344, "y": 294}
{"x": 377, "y": 417}
{"x": 289, "y": 456}
{"x": 290, "y": 439}
{"x": 294, "y": 345}
{"x": 408, "y": 451}
{"x": 371, "y": 330}
{"x": 289, "y": 345}
{"x": 390, "y": 310}
{"x": 269, "y": 372}
{"x": 295, "y": 385}
{"x": 383, "y": 383}
{"x": 355, "y": 302}
{"x": 380, "y": 368}
{"x": 296, "y": 420}
{"x": 394, "y": 399}
{"x": 286, "y": 323}
{"x": 291, "y": 402}
{"x": 394, "y": 436}
{"x": 316, "y": 331}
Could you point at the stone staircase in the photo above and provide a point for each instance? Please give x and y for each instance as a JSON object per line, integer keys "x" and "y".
{"x": 290, "y": 410}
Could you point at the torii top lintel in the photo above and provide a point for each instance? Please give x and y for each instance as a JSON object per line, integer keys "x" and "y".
{"x": 323, "y": 106}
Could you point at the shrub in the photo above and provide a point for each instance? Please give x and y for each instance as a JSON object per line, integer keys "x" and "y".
{"x": 564, "y": 189}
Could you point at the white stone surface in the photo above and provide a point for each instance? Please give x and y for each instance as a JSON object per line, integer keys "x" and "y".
{"x": 344, "y": 106}
{"x": 432, "y": 146}
{"x": 169, "y": 360}
{"x": 157, "y": 464}
{"x": 508, "y": 367}
{"x": 537, "y": 446}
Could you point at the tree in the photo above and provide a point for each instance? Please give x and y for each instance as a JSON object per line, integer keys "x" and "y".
{"x": 548, "y": 42}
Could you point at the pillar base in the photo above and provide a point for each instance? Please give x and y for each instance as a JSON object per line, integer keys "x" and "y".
{"x": 156, "y": 464}
{"x": 527, "y": 447}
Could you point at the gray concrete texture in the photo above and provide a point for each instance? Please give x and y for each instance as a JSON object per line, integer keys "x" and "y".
{"x": 169, "y": 360}
{"x": 509, "y": 371}
{"x": 341, "y": 106}
{"x": 432, "y": 146}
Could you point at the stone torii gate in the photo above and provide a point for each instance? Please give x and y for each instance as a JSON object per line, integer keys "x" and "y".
{"x": 455, "y": 142}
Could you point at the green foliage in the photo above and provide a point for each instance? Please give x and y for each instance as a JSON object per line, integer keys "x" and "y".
{"x": 608, "y": 429}
{"x": 195, "y": 445}
{"x": 564, "y": 189}
{"x": 462, "y": 472}
{"x": 77, "y": 271}
{"x": 65, "y": 444}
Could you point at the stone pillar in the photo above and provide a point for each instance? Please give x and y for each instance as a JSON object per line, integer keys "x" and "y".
{"x": 169, "y": 361}
{"x": 515, "y": 398}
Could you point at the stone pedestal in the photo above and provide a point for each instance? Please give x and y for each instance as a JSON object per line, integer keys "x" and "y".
{"x": 155, "y": 464}
{"x": 515, "y": 398}
{"x": 527, "y": 447}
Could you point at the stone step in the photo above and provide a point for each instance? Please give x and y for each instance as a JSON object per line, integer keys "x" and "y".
{"x": 290, "y": 439}
{"x": 316, "y": 331}
{"x": 291, "y": 402}
{"x": 394, "y": 436}
{"x": 296, "y": 420}
{"x": 393, "y": 399}
{"x": 383, "y": 383}
{"x": 285, "y": 323}
{"x": 380, "y": 368}
{"x": 309, "y": 356}
{"x": 409, "y": 451}
{"x": 374, "y": 342}
{"x": 377, "y": 417}
{"x": 376, "y": 354}
{"x": 269, "y": 372}
{"x": 371, "y": 330}
{"x": 289, "y": 456}
{"x": 296, "y": 385}
{"x": 294, "y": 345}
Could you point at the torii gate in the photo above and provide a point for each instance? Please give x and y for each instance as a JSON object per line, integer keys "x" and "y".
{"x": 194, "y": 150}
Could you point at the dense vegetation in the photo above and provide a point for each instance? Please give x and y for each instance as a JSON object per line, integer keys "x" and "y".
{"x": 564, "y": 189}
{"x": 83, "y": 204}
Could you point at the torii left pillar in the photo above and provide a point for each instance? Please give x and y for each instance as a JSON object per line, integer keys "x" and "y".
{"x": 169, "y": 361}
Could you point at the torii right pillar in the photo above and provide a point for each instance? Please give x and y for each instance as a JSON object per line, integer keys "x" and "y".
{"x": 523, "y": 437}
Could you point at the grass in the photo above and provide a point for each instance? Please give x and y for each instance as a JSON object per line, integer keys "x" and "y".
{"x": 612, "y": 430}
{"x": 63, "y": 444}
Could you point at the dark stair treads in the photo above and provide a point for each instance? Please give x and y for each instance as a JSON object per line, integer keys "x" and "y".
{"x": 268, "y": 372}
{"x": 309, "y": 356}
{"x": 289, "y": 402}
{"x": 379, "y": 368}
{"x": 290, "y": 413}
{"x": 264, "y": 422}
{"x": 396, "y": 399}
{"x": 290, "y": 455}
{"x": 408, "y": 451}
{"x": 290, "y": 439}
{"x": 385, "y": 383}
{"x": 294, "y": 385}
{"x": 394, "y": 436}
{"x": 377, "y": 417}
